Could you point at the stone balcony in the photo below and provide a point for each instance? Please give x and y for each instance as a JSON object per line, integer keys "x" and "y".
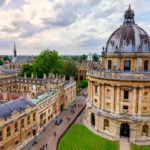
{"x": 120, "y": 75}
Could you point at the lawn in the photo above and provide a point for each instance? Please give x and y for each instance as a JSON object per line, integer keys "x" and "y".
{"x": 79, "y": 137}
{"x": 136, "y": 147}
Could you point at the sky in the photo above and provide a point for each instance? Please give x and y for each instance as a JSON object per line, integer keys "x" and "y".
{"x": 72, "y": 27}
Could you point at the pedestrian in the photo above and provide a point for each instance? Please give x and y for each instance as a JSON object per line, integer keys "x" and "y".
{"x": 54, "y": 133}
{"x": 41, "y": 148}
{"x": 46, "y": 145}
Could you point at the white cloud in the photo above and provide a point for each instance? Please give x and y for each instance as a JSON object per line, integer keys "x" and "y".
{"x": 71, "y": 27}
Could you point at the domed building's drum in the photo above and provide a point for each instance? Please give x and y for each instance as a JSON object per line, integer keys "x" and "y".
{"x": 119, "y": 90}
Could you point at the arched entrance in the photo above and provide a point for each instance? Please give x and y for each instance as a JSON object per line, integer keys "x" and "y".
{"x": 93, "y": 119}
{"x": 125, "y": 130}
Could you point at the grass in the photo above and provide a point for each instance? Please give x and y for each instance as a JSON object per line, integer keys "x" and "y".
{"x": 79, "y": 137}
{"x": 136, "y": 147}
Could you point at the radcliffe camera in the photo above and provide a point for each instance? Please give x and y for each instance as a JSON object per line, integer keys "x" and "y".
{"x": 74, "y": 75}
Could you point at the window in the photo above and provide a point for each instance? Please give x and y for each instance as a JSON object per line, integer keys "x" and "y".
{"x": 109, "y": 64}
{"x": 145, "y": 65}
{"x": 8, "y": 131}
{"x": 28, "y": 120}
{"x": 95, "y": 88}
{"x": 1, "y": 136}
{"x": 49, "y": 117}
{"x": 33, "y": 116}
{"x": 126, "y": 94}
{"x": 22, "y": 123}
{"x": 95, "y": 100}
{"x": 127, "y": 64}
{"x": 29, "y": 133}
{"x": 125, "y": 107}
{"x": 17, "y": 142}
{"x": 16, "y": 126}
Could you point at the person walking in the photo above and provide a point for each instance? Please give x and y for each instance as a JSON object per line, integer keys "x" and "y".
{"x": 54, "y": 133}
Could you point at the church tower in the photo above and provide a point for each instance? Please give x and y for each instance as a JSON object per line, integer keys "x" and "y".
{"x": 15, "y": 52}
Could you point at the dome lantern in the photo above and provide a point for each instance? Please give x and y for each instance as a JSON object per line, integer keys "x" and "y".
{"x": 129, "y": 16}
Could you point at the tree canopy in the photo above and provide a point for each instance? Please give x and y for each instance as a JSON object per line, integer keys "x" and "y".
{"x": 26, "y": 68}
{"x": 1, "y": 62}
{"x": 95, "y": 57}
{"x": 70, "y": 68}
{"x": 6, "y": 58}
{"x": 49, "y": 62}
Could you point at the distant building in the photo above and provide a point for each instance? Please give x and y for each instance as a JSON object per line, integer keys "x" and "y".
{"x": 89, "y": 57}
{"x": 18, "y": 61}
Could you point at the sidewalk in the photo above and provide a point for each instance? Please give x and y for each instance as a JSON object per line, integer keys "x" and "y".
{"x": 48, "y": 136}
{"x": 124, "y": 144}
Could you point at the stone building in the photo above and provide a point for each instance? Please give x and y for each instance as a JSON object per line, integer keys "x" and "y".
{"x": 118, "y": 101}
{"x": 82, "y": 69}
{"x": 50, "y": 104}
{"x": 18, "y": 122}
{"x": 31, "y": 86}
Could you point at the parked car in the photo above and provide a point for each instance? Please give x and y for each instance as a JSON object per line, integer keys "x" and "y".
{"x": 58, "y": 121}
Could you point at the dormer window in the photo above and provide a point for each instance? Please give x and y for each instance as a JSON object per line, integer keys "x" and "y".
{"x": 109, "y": 64}
{"x": 127, "y": 64}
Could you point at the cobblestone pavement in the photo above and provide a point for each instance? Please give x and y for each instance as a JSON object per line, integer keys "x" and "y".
{"x": 48, "y": 135}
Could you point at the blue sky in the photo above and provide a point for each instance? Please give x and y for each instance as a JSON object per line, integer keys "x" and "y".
{"x": 69, "y": 26}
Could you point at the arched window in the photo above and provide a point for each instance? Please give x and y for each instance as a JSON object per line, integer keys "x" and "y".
{"x": 33, "y": 116}
{"x": 22, "y": 123}
{"x": 106, "y": 124}
{"x": 28, "y": 120}
{"x": 8, "y": 131}
{"x": 145, "y": 130}
{"x": 1, "y": 136}
{"x": 92, "y": 119}
{"x": 16, "y": 127}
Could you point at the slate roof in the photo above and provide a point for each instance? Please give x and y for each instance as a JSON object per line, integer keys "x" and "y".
{"x": 20, "y": 59}
{"x": 7, "y": 109}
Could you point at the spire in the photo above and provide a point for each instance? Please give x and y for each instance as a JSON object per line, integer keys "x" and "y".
{"x": 15, "y": 52}
{"x": 129, "y": 16}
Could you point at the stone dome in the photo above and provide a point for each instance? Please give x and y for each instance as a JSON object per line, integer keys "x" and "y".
{"x": 129, "y": 37}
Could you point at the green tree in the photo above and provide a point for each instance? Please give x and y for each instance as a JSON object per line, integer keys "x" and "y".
{"x": 26, "y": 68}
{"x": 82, "y": 84}
{"x": 95, "y": 57}
{"x": 75, "y": 58}
{"x": 1, "y": 62}
{"x": 6, "y": 58}
{"x": 83, "y": 58}
{"x": 48, "y": 61}
{"x": 70, "y": 68}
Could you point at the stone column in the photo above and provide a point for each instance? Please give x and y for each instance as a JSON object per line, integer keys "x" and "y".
{"x": 140, "y": 100}
{"x": 103, "y": 96}
{"x": 117, "y": 100}
{"x": 112, "y": 98}
{"x": 134, "y": 101}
